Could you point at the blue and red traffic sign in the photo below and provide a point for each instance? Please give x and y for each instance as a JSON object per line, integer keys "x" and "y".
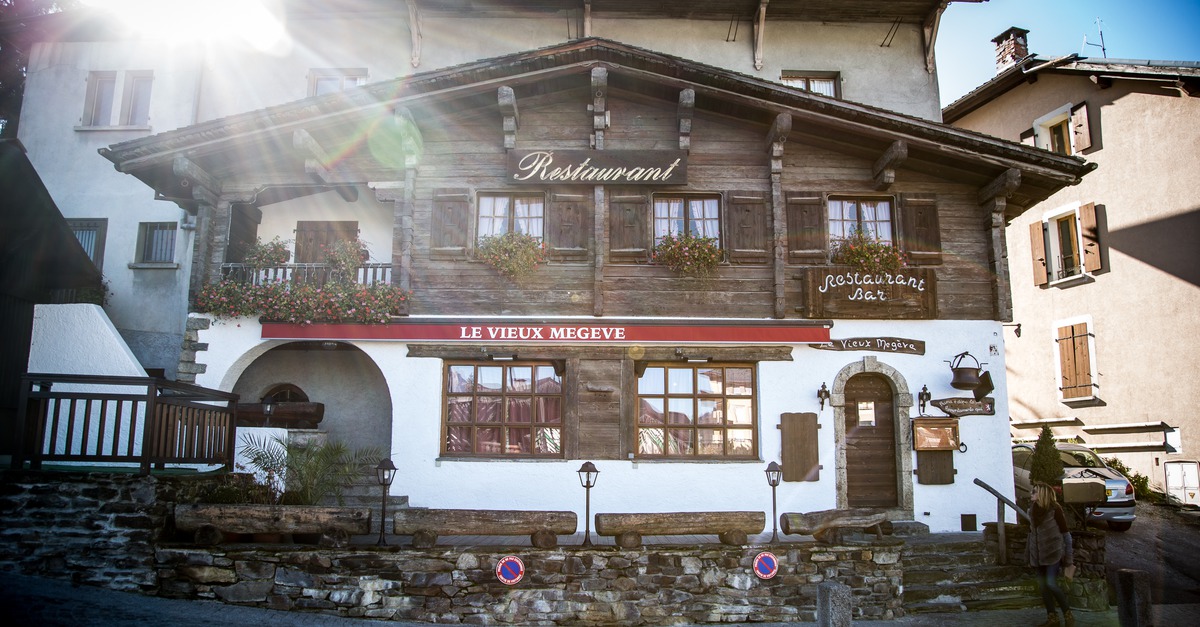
{"x": 766, "y": 565}
{"x": 510, "y": 569}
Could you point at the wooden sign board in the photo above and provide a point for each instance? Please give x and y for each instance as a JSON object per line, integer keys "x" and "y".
{"x": 962, "y": 406}
{"x": 877, "y": 344}
{"x": 839, "y": 292}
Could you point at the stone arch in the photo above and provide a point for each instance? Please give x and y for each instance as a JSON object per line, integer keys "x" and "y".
{"x": 903, "y": 402}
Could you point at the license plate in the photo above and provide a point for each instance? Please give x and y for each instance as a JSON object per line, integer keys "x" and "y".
{"x": 1111, "y": 493}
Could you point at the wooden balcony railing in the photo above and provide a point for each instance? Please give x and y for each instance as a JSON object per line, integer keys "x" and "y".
{"x": 305, "y": 273}
{"x": 123, "y": 421}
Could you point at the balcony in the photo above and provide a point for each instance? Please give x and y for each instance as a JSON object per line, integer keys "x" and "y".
{"x": 316, "y": 274}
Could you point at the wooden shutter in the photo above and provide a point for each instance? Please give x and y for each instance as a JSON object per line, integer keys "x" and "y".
{"x": 1029, "y": 137}
{"x": 1089, "y": 229}
{"x": 1075, "y": 362}
{"x": 749, "y": 219}
{"x": 920, "y": 234}
{"x": 807, "y": 228}
{"x": 243, "y": 230}
{"x": 314, "y": 237}
{"x": 451, "y": 222}
{"x": 568, "y": 222}
{"x": 800, "y": 453}
{"x": 935, "y": 467}
{"x": 629, "y": 220}
{"x": 1037, "y": 250}
{"x": 1081, "y": 127}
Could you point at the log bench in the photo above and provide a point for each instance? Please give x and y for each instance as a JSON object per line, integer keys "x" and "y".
{"x": 425, "y": 525}
{"x": 829, "y": 525}
{"x": 210, "y": 522}
{"x": 731, "y": 527}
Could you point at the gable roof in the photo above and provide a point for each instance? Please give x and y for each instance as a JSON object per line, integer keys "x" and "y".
{"x": 1178, "y": 77}
{"x": 257, "y": 138}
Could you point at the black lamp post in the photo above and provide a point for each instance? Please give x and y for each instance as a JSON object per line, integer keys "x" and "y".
{"x": 774, "y": 475}
{"x": 385, "y": 471}
{"x": 587, "y": 479}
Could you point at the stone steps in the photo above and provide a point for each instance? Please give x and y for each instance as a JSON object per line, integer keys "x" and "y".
{"x": 960, "y": 575}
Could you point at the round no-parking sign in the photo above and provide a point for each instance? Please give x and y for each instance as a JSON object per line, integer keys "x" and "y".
{"x": 766, "y": 565}
{"x": 510, "y": 569}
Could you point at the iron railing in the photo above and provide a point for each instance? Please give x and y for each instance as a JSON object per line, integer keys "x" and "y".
{"x": 305, "y": 274}
{"x": 123, "y": 421}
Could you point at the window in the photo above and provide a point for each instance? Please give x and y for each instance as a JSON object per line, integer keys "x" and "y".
{"x": 91, "y": 235}
{"x": 323, "y": 81}
{"x": 697, "y": 216}
{"x": 101, "y": 100}
{"x": 1065, "y": 244}
{"x": 1066, "y": 130}
{"x": 1075, "y": 348}
{"x": 872, "y": 216}
{"x": 156, "y": 242}
{"x": 692, "y": 411}
{"x": 519, "y": 213}
{"x": 503, "y": 410}
{"x": 824, "y": 83}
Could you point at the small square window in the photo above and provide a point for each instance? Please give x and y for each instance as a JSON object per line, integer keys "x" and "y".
{"x": 323, "y": 81}
{"x": 156, "y": 242}
{"x": 824, "y": 83}
{"x": 91, "y": 235}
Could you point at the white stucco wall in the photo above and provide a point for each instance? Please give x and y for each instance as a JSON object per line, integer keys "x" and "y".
{"x": 78, "y": 339}
{"x": 629, "y": 486}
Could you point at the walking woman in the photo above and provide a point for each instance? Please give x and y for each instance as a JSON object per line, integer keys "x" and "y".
{"x": 1049, "y": 547}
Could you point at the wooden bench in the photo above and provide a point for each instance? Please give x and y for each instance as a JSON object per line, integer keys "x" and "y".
{"x": 210, "y": 522}
{"x": 731, "y": 527}
{"x": 828, "y": 525}
{"x": 425, "y": 525}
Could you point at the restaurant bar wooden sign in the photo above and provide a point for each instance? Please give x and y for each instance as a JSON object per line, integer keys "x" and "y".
{"x": 876, "y": 344}
{"x": 841, "y": 292}
{"x": 607, "y": 167}
{"x": 962, "y": 406}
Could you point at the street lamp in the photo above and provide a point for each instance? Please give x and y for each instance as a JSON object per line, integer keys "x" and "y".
{"x": 774, "y": 475}
{"x": 587, "y": 479}
{"x": 385, "y": 472}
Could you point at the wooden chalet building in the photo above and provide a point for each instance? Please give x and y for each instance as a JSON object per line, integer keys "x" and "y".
{"x": 490, "y": 391}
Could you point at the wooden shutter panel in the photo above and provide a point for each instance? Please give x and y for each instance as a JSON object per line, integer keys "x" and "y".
{"x": 920, "y": 233}
{"x": 451, "y": 222}
{"x": 1089, "y": 229}
{"x": 749, "y": 219}
{"x": 935, "y": 467}
{"x": 1075, "y": 362}
{"x": 1029, "y": 137}
{"x": 568, "y": 223}
{"x": 1037, "y": 250}
{"x": 629, "y": 234}
{"x": 800, "y": 453}
{"x": 314, "y": 237}
{"x": 807, "y": 228}
{"x": 1081, "y": 127}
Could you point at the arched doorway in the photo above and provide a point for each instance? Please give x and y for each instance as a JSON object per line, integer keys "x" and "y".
{"x": 870, "y": 427}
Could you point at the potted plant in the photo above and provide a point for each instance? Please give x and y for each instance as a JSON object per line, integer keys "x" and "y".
{"x": 689, "y": 255}
{"x": 867, "y": 254}
{"x": 344, "y": 258}
{"x": 270, "y": 254}
{"x": 512, "y": 254}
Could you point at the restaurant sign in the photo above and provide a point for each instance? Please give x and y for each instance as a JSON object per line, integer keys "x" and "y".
{"x": 962, "y": 406}
{"x": 877, "y": 344}
{"x": 842, "y": 292}
{"x": 609, "y": 167}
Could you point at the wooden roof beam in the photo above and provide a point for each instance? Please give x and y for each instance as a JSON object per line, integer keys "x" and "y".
{"x": 1002, "y": 186}
{"x": 685, "y": 111}
{"x": 601, "y": 119}
{"x": 780, "y": 129}
{"x": 414, "y": 31}
{"x": 885, "y": 167}
{"x": 760, "y": 26}
{"x": 316, "y": 165}
{"x": 192, "y": 175}
{"x": 508, "y": 110}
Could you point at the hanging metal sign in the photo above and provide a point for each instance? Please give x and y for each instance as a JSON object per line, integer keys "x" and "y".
{"x": 961, "y": 406}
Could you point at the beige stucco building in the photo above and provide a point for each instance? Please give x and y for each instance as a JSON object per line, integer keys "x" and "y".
{"x": 1104, "y": 273}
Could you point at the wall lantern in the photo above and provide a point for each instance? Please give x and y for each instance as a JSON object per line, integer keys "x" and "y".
{"x": 587, "y": 479}
{"x": 385, "y": 472}
{"x": 965, "y": 377}
{"x": 924, "y": 397}
{"x": 823, "y": 395}
{"x": 774, "y": 475}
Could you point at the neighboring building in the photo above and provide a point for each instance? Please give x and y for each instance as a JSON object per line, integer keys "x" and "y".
{"x": 1105, "y": 274}
{"x": 776, "y": 132}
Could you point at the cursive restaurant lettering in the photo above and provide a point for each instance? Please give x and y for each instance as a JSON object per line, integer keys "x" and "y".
{"x": 864, "y": 284}
{"x": 548, "y": 166}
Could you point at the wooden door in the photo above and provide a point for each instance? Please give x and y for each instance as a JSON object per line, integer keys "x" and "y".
{"x": 870, "y": 443}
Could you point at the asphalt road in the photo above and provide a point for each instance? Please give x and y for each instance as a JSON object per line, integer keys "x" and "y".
{"x": 1164, "y": 542}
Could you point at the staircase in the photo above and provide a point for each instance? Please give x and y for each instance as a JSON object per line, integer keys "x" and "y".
{"x": 957, "y": 572}
{"x": 368, "y": 494}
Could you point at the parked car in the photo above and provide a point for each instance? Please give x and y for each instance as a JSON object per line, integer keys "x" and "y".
{"x": 1079, "y": 461}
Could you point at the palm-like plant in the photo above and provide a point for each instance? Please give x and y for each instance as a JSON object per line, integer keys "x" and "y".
{"x": 306, "y": 474}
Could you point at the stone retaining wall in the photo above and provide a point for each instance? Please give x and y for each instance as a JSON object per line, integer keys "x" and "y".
{"x": 1089, "y": 589}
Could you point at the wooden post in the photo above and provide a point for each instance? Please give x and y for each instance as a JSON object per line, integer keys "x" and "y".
{"x": 1001, "y": 534}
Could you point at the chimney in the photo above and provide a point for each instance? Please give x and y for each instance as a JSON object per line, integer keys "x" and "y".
{"x": 1011, "y": 48}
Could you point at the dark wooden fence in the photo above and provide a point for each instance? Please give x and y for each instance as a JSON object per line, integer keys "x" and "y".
{"x": 119, "y": 421}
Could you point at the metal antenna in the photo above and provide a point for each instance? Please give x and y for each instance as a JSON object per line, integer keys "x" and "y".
{"x": 1103, "y": 50}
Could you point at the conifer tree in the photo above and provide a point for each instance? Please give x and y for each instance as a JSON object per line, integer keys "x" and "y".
{"x": 1046, "y": 465}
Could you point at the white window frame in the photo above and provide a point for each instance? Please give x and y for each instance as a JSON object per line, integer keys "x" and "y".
{"x": 1042, "y": 126}
{"x": 349, "y": 76}
{"x": 118, "y": 115}
{"x": 1054, "y": 265}
{"x": 1091, "y": 343}
{"x": 801, "y": 79}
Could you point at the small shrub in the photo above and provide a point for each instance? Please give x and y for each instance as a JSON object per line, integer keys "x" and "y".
{"x": 512, "y": 254}
{"x": 689, "y": 255}
{"x": 299, "y": 474}
{"x": 344, "y": 258}
{"x": 868, "y": 255}
{"x": 270, "y": 254}
{"x": 1141, "y": 483}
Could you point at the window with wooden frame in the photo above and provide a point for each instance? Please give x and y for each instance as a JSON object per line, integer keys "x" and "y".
{"x": 824, "y": 83}
{"x": 91, "y": 235}
{"x": 872, "y": 216}
{"x": 690, "y": 411}
{"x": 323, "y": 81}
{"x": 503, "y": 410}
{"x": 156, "y": 242}
{"x": 500, "y": 213}
{"x": 1075, "y": 348}
{"x": 692, "y": 215}
{"x": 909, "y": 222}
{"x": 1066, "y": 130}
{"x": 1065, "y": 245}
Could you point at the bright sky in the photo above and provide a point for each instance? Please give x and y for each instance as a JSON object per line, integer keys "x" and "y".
{"x": 1162, "y": 30}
